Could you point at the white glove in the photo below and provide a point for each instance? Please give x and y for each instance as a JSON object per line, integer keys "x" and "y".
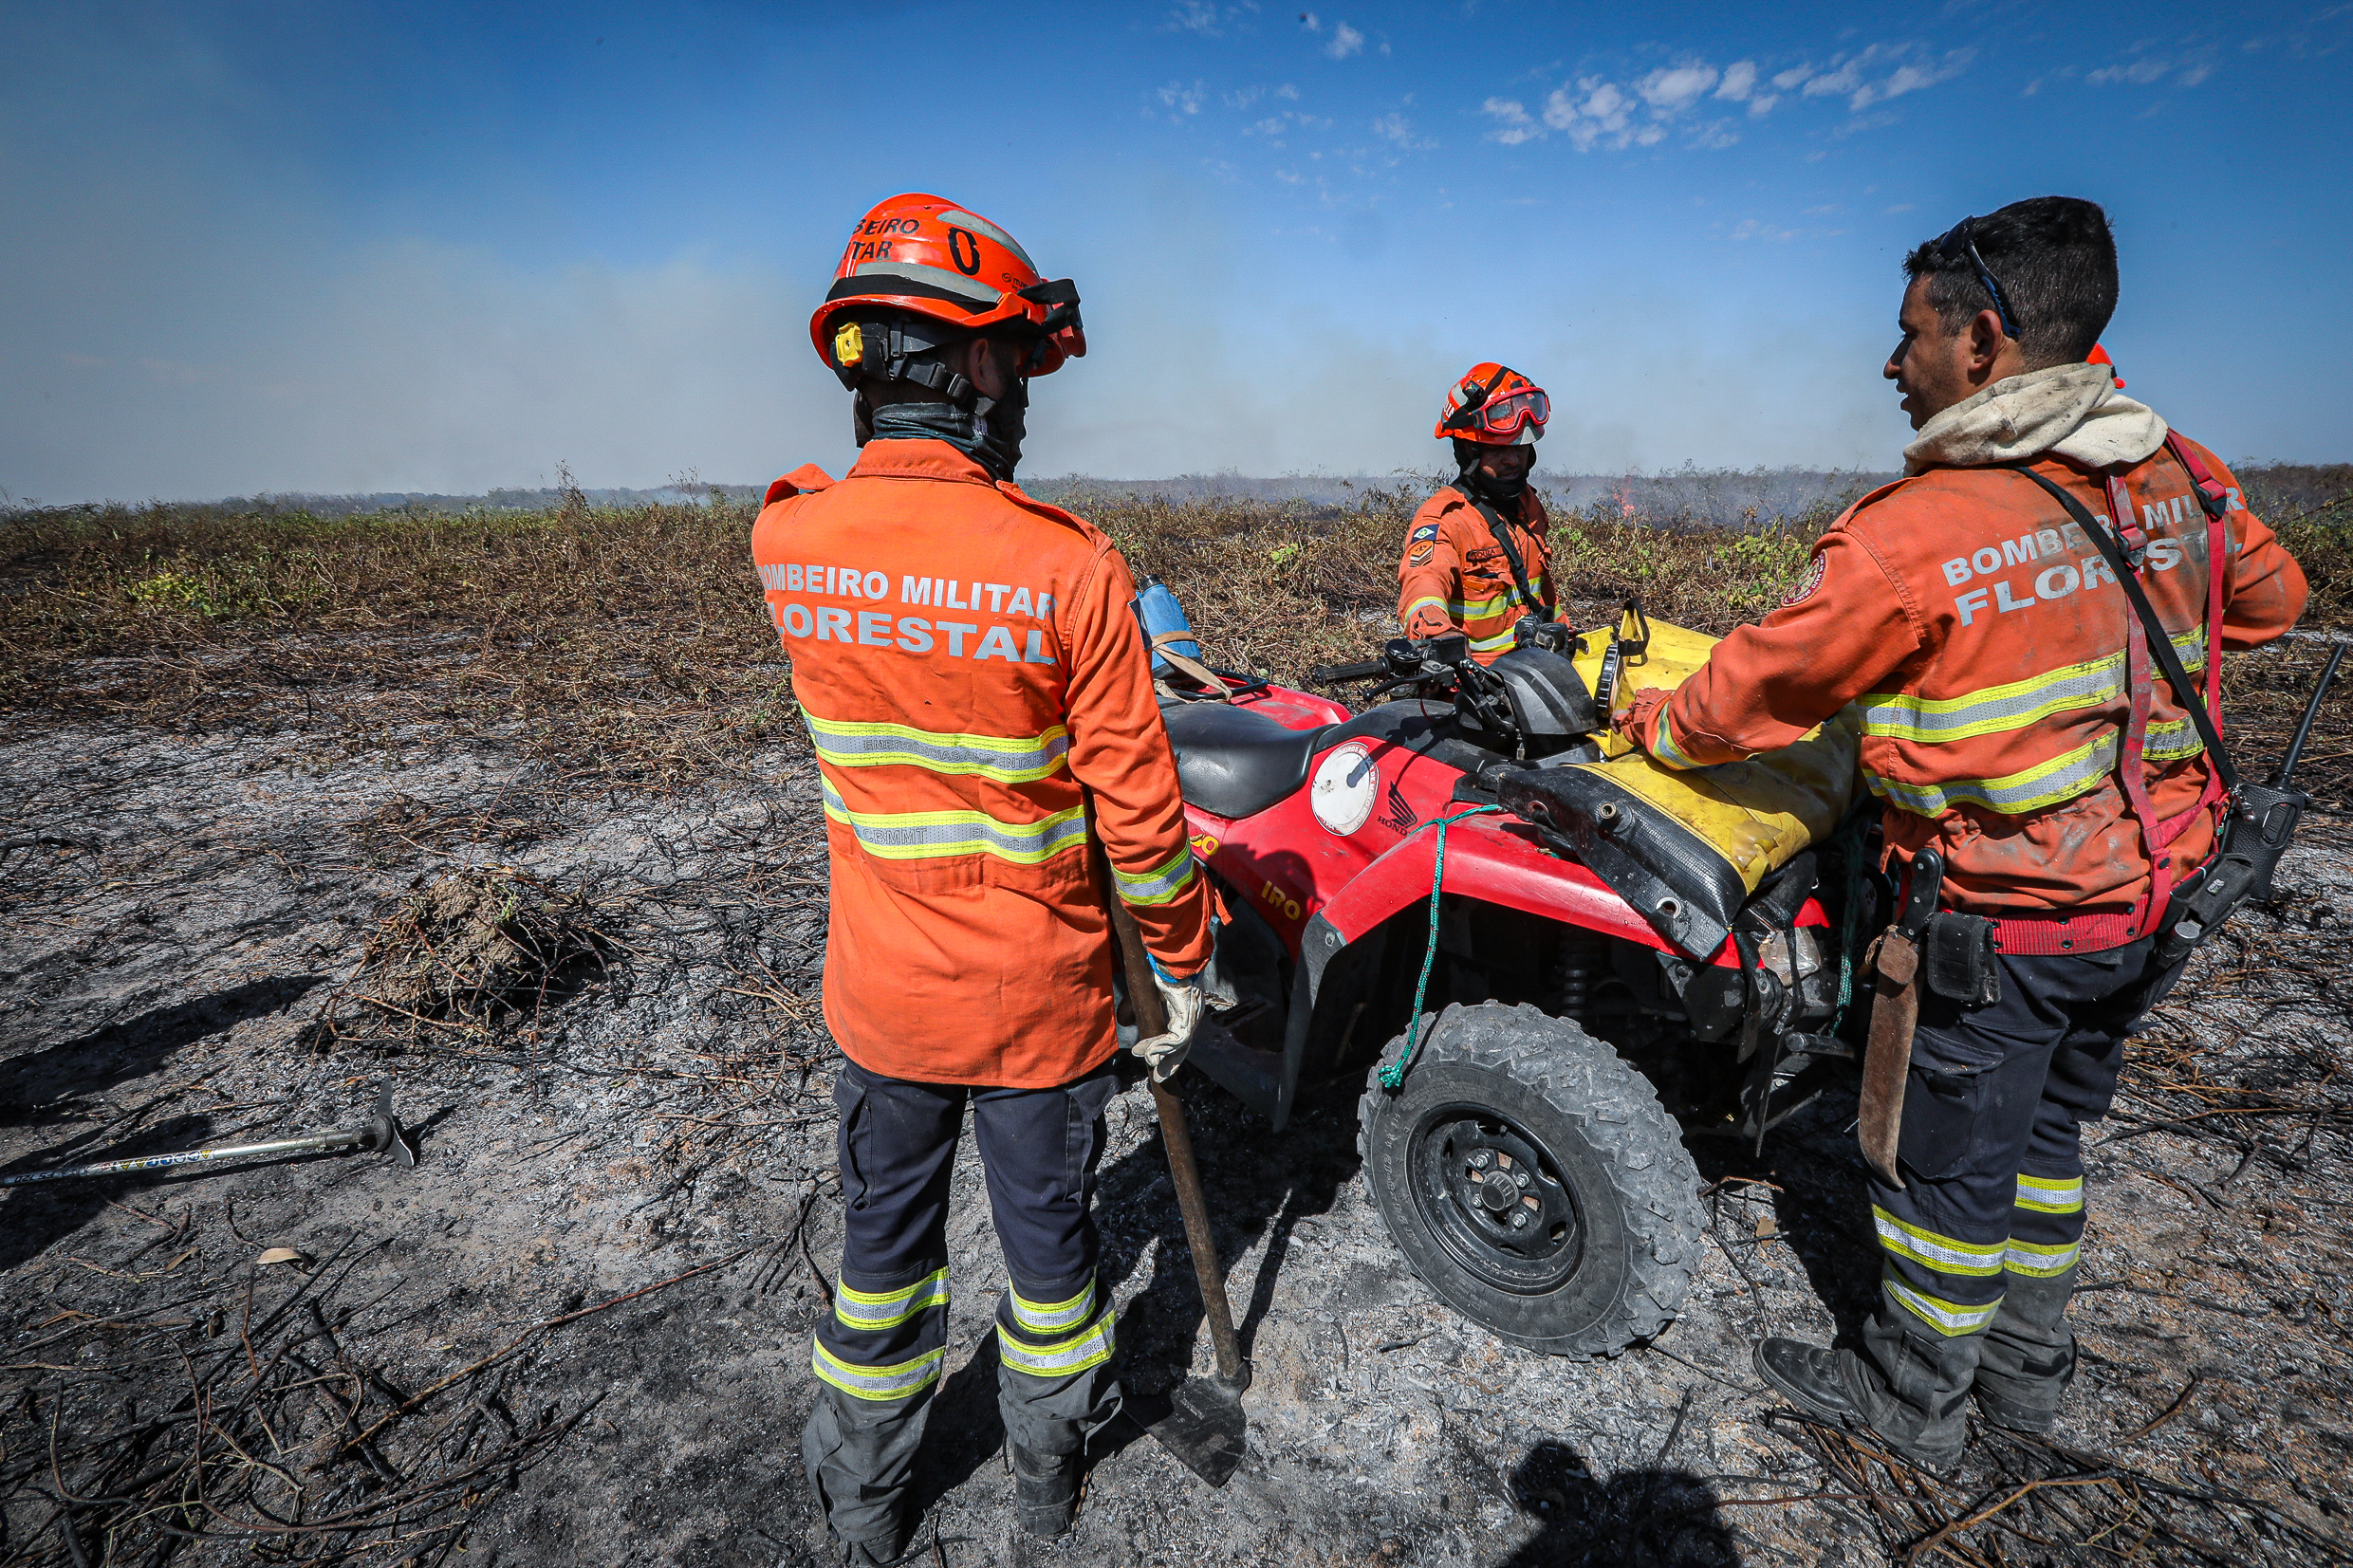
{"x": 1184, "y": 1000}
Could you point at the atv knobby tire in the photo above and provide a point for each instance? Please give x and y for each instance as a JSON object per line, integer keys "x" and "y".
{"x": 1501, "y": 1095}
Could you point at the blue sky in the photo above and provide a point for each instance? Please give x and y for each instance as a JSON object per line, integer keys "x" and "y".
{"x": 354, "y": 248}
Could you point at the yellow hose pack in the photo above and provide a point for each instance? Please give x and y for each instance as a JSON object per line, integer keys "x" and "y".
{"x": 1687, "y": 849}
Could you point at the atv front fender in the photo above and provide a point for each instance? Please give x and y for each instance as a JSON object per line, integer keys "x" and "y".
{"x": 1495, "y": 861}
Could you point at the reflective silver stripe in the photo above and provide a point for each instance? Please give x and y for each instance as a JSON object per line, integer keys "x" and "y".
{"x": 1994, "y": 710}
{"x": 1049, "y": 1318}
{"x": 1903, "y": 715}
{"x": 1941, "y": 1253}
{"x": 938, "y": 277}
{"x": 1662, "y": 746}
{"x": 1465, "y": 608}
{"x": 861, "y": 1309}
{"x": 982, "y": 226}
{"x": 892, "y": 1382}
{"x": 2051, "y": 1195}
{"x": 2060, "y": 779}
{"x": 2042, "y": 1262}
{"x": 1435, "y": 603}
{"x": 1090, "y": 1347}
{"x": 1949, "y": 1318}
{"x": 1006, "y": 759}
{"x": 1157, "y": 886}
{"x": 1501, "y": 639}
{"x": 2172, "y": 741}
{"x": 939, "y": 834}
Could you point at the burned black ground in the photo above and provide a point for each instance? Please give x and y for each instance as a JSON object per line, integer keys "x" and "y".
{"x": 245, "y": 857}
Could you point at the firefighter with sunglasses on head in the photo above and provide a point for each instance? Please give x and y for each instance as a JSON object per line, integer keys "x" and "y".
{"x": 1476, "y": 556}
{"x": 2045, "y": 785}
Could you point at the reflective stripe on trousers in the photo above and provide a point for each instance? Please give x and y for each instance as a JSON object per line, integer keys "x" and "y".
{"x": 1054, "y": 1341}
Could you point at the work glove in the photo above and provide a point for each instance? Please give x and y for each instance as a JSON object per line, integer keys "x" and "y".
{"x": 1184, "y": 1000}
{"x": 1638, "y": 721}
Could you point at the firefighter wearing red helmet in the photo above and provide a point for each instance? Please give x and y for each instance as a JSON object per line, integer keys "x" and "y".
{"x": 1476, "y": 554}
{"x": 981, "y": 703}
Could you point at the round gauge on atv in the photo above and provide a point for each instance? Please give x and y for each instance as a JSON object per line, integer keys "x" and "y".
{"x": 1345, "y": 786}
{"x": 1531, "y": 1177}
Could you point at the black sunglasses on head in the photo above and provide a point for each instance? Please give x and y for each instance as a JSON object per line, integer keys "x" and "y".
{"x": 1958, "y": 244}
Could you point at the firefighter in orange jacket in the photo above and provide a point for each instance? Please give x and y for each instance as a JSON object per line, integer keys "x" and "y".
{"x": 981, "y": 705}
{"x": 1476, "y": 554}
{"x": 2013, "y": 722}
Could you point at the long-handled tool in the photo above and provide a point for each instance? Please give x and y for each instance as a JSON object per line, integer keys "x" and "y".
{"x": 379, "y": 1133}
{"x": 1205, "y": 1425}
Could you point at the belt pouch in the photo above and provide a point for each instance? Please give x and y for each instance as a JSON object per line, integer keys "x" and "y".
{"x": 1958, "y": 959}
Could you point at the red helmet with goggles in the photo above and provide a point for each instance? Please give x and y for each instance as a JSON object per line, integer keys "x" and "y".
{"x": 1495, "y": 406}
{"x": 924, "y": 256}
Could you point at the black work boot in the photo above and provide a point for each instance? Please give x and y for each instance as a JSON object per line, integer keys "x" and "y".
{"x": 1834, "y": 1386}
{"x": 2028, "y": 1359}
{"x": 1045, "y": 1488}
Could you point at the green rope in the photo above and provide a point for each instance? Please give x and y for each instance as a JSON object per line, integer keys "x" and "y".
{"x": 1394, "y": 1074}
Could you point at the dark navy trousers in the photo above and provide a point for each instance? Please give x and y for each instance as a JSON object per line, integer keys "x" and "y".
{"x": 879, "y": 1357}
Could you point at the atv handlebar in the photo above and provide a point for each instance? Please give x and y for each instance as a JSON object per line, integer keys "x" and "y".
{"x": 1332, "y": 675}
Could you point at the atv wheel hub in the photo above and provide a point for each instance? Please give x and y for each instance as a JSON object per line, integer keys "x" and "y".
{"x": 1495, "y": 1200}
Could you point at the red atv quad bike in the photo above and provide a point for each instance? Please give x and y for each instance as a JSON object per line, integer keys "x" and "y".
{"x": 1598, "y": 983}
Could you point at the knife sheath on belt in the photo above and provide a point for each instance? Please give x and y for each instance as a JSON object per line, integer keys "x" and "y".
{"x": 1895, "y": 962}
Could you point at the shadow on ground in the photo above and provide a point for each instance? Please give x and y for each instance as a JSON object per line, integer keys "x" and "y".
{"x": 1652, "y": 1517}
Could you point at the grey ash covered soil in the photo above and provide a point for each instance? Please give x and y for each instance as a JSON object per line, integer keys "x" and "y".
{"x": 184, "y": 919}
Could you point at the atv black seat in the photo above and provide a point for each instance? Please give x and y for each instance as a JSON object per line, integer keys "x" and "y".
{"x": 1236, "y": 763}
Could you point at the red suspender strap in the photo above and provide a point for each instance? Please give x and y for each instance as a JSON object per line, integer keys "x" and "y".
{"x": 2130, "y": 773}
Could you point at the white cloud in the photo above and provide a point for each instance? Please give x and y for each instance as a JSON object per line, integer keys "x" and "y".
{"x": 2148, "y": 69}
{"x": 1513, "y": 124}
{"x": 1195, "y": 16}
{"x": 1594, "y": 111}
{"x": 1287, "y": 90}
{"x": 1345, "y": 41}
{"x": 1180, "y": 99}
{"x": 1308, "y": 20}
{"x": 1396, "y": 128}
{"x": 1672, "y": 90}
{"x": 1844, "y": 80}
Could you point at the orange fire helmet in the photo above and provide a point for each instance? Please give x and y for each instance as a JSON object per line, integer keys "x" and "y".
{"x": 928, "y": 257}
{"x": 1495, "y": 407}
{"x": 2100, "y": 357}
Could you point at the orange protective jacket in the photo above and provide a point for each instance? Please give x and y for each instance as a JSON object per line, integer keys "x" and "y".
{"x": 1987, "y": 644}
{"x": 977, "y": 686}
{"x": 1454, "y": 578}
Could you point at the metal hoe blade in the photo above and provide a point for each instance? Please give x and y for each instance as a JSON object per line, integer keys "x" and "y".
{"x": 1206, "y": 1428}
{"x": 382, "y": 1133}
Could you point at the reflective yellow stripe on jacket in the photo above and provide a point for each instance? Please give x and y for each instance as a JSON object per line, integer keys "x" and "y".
{"x": 1006, "y": 759}
{"x": 939, "y": 834}
{"x": 2014, "y": 706}
{"x": 1158, "y": 885}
